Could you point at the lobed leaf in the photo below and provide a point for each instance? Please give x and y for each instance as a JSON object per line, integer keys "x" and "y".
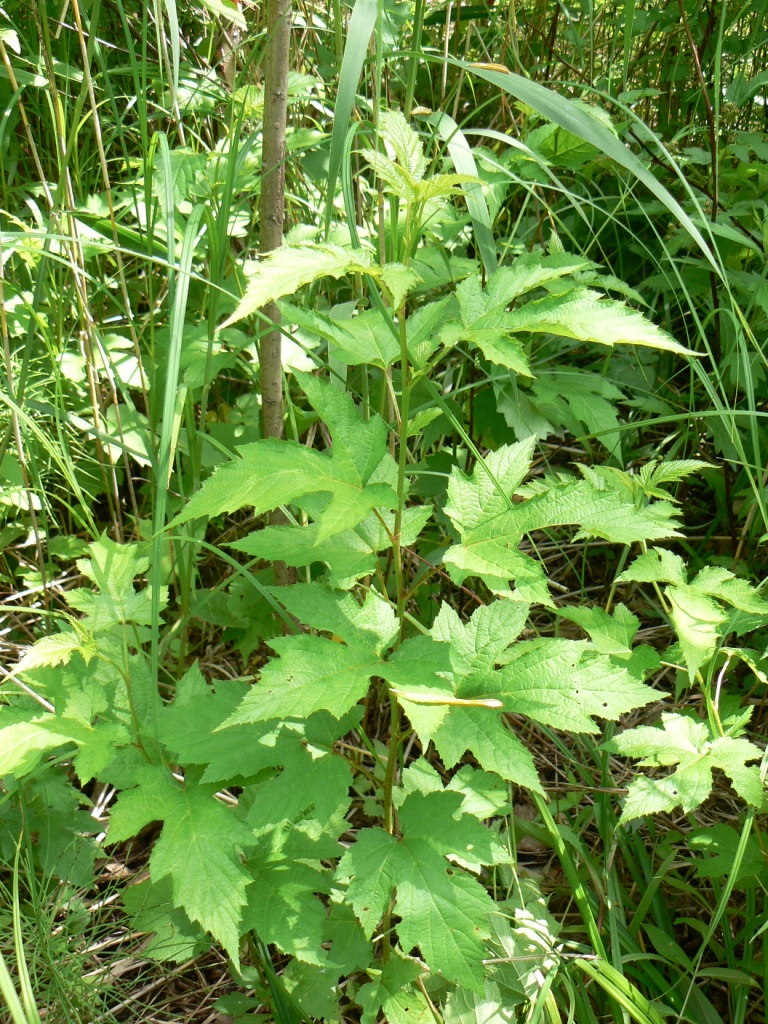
{"x": 492, "y": 525}
{"x": 198, "y": 849}
{"x": 586, "y": 315}
{"x": 272, "y": 472}
{"x": 690, "y": 745}
{"x": 443, "y": 911}
{"x": 312, "y": 674}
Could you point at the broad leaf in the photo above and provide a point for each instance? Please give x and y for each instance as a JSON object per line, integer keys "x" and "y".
{"x": 349, "y": 555}
{"x": 58, "y": 649}
{"x": 567, "y": 400}
{"x": 290, "y": 267}
{"x": 150, "y": 908}
{"x": 610, "y": 633}
{"x": 448, "y": 690}
{"x": 524, "y": 950}
{"x": 443, "y": 911}
{"x": 698, "y": 618}
{"x": 486, "y": 328}
{"x": 405, "y": 143}
{"x": 311, "y": 674}
{"x": 283, "y": 908}
{"x": 394, "y": 993}
{"x": 189, "y": 728}
{"x": 272, "y": 472}
{"x": 113, "y": 568}
{"x": 586, "y": 315}
{"x": 563, "y": 684}
{"x": 22, "y": 743}
{"x": 371, "y": 624}
{"x": 476, "y": 645}
{"x": 688, "y": 744}
{"x": 198, "y": 848}
{"x": 492, "y": 525}
{"x": 528, "y": 272}
{"x": 363, "y": 339}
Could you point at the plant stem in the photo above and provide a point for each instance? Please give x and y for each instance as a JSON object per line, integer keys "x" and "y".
{"x": 413, "y": 66}
{"x": 271, "y": 218}
{"x": 394, "y": 706}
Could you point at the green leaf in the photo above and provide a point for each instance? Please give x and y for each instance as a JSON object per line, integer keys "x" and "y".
{"x": 398, "y": 280}
{"x": 656, "y": 566}
{"x": 422, "y": 330}
{"x": 443, "y": 911}
{"x": 529, "y": 271}
{"x": 22, "y": 744}
{"x": 610, "y": 633}
{"x": 698, "y": 622}
{"x": 289, "y": 268}
{"x": 405, "y": 143}
{"x": 371, "y": 624}
{"x": 491, "y": 525}
{"x": 396, "y": 179}
{"x": 198, "y": 849}
{"x": 312, "y": 777}
{"x": 587, "y": 316}
{"x": 719, "y": 844}
{"x": 189, "y": 728}
{"x": 150, "y": 909}
{"x": 404, "y": 176}
{"x": 656, "y": 472}
{"x": 562, "y": 683}
{"x": 363, "y": 339}
{"x": 486, "y": 328}
{"x": 421, "y": 672}
{"x": 524, "y": 944}
{"x": 483, "y": 733}
{"x": 439, "y": 186}
{"x": 570, "y": 398}
{"x": 271, "y": 472}
{"x": 350, "y": 949}
{"x": 283, "y": 908}
{"x": 693, "y": 607}
{"x": 58, "y": 649}
{"x": 476, "y": 645}
{"x": 485, "y": 796}
{"x": 392, "y": 991}
{"x": 311, "y": 674}
{"x": 113, "y": 568}
{"x": 349, "y": 555}
{"x": 722, "y": 584}
{"x": 487, "y": 494}
{"x": 174, "y": 175}
{"x": 690, "y": 745}
{"x": 561, "y": 147}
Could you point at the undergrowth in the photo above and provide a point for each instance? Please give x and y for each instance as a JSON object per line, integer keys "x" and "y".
{"x": 474, "y": 729}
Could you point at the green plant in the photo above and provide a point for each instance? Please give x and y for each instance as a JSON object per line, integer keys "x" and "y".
{"x": 384, "y": 854}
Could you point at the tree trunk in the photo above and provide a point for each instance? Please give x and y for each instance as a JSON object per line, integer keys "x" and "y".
{"x": 271, "y": 214}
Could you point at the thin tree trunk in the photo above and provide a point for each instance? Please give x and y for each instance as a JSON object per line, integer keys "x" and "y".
{"x": 271, "y": 215}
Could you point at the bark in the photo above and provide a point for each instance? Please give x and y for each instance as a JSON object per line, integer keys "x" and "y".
{"x": 272, "y": 201}
{"x": 271, "y": 215}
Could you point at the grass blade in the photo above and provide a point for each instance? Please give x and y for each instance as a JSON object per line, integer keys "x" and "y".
{"x": 464, "y": 162}
{"x": 577, "y": 121}
{"x": 361, "y": 28}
